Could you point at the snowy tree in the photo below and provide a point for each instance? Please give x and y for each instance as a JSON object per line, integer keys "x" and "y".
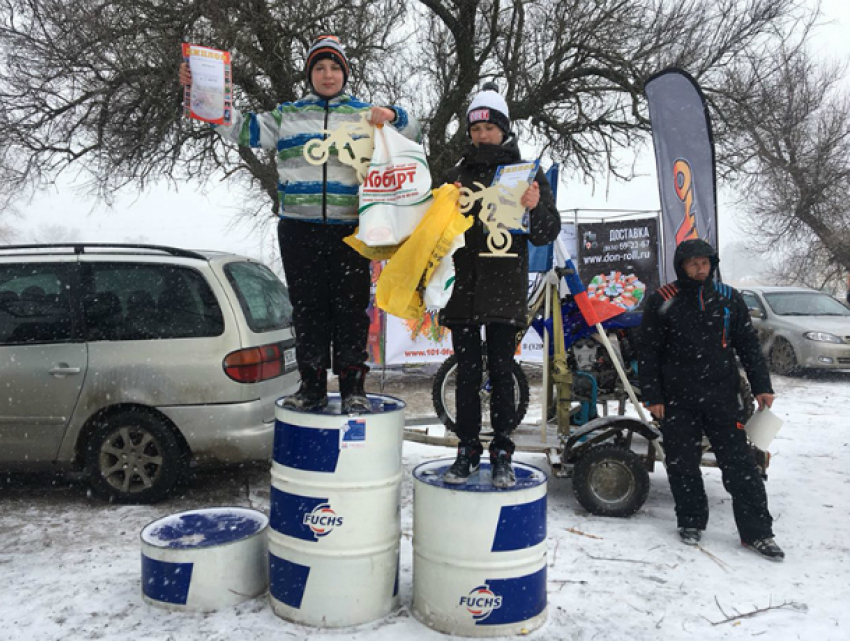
{"x": 92, "y": 84}
{"x": 793, "y": 143}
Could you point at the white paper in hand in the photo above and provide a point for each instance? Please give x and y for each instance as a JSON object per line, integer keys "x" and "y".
{"x": 762, "y": 428}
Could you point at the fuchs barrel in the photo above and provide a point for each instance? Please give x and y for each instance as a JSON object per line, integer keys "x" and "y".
{"x": 205, "y": 560}
{"x": 335, "y": 523}
{"x": 479, "y": 553}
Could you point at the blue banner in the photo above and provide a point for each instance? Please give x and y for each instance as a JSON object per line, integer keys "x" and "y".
{"x": 540, "y": 258}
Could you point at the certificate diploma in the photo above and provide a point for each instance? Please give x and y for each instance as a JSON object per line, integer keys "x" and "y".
{"x": 210, "y": 96}
{"x": 509, "y": 176}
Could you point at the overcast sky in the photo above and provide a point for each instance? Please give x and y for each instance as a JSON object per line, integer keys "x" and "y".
{"x": 206, "y": 221}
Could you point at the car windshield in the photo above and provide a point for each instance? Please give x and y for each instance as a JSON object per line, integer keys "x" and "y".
{"x": 805, "y": 304}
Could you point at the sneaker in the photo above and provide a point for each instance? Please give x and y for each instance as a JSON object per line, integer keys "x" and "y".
{"x": 354, "y": 399}
{"x": 501, "y": 469}
{"x": 766, "y": 547}
{"x": 312, "y": 394}
{"x": 690, "y": 535}
{"x": 466, "y": 464}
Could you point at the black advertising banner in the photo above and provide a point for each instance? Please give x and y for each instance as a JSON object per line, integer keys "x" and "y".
{"x": 684, "y": 157}
{"x": 618, "y": 261}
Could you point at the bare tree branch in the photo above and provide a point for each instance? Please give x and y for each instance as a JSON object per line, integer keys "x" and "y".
{"x": 746, "y": 615}
{"x": 90, "y": 86}
{"x": 792, "y": 135}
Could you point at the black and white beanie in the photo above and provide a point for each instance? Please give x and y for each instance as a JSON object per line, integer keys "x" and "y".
{"x": 489, "y": 106}
{"x": 327, "y": 47}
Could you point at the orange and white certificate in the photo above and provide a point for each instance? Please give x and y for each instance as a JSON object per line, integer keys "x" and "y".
{"x": 210, "y": 96}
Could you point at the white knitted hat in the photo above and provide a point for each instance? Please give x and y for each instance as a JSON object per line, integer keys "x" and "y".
{"x": 489, "y": 106}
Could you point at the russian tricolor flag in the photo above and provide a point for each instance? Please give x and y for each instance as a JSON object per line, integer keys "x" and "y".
{"x": 593, "y": 310}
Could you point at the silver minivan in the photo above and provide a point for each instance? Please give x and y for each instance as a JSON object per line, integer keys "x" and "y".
{"x": 132, "y": 362}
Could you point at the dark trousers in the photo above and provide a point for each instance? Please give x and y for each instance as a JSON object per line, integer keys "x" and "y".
{"x": 329, "y": 288}
{"x": 500, "y": 345}
{"x": 683, "y": 428}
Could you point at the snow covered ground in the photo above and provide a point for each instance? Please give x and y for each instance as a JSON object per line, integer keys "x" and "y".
{"x": 69, "y": 565}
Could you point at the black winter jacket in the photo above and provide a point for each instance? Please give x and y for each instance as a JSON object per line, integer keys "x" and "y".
{"x": 690, "y": 333}
{"x": 489, "y": 288}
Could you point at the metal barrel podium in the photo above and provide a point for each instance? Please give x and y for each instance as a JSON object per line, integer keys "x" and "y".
{"x": 479, "y": 553}
{"x": 204, "y": 560}
{"x": 335, "y": 521}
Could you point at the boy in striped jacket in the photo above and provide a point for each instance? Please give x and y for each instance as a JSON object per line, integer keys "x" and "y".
{"x": 328, "y": 281}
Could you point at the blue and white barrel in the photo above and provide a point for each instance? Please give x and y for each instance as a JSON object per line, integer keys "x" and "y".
{"x": 479, "y": 553}
{"x": 335, "y": 522}
{"x": 205, "y": 560}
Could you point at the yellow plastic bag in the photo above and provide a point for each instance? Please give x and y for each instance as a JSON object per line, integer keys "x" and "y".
{"x": 372, "y": 253}
{"x": 403, "y": 279}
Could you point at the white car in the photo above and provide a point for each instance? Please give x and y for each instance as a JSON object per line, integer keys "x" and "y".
{"x": 800, "y": 328}
{"x": 131, "y": 362}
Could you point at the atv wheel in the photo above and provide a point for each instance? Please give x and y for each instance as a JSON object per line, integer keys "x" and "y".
{"x": 610, "y": 480}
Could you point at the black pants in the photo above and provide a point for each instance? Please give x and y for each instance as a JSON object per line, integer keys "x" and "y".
{"x": 683, "y": 428}
{"x": 501, "y": 345}
{"x": 329, "y": 287}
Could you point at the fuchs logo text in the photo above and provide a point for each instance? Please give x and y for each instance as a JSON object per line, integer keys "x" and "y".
{"x": 322, "y": 520}
{"x": 481, "y": 602}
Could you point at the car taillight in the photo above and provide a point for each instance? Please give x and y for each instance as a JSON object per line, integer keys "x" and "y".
{"x": 255, "y": 364}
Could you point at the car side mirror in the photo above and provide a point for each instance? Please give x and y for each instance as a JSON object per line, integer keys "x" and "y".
{"x": 755, "y": 312}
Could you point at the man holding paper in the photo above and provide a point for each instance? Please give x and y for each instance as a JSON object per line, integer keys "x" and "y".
{"x": 691, "y": 331}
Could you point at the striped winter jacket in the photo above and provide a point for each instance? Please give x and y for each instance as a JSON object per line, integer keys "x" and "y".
{"x": 326, "y": 193}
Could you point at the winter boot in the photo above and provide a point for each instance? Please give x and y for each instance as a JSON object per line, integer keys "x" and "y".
{"x": 765, "y": 547}
{"x": 501, "y": 470}
{"x": 690, "y": 535}
{"x": 466, "y": 464}
{"x": 312, "y": 394}
{"x": 354, "y": 400}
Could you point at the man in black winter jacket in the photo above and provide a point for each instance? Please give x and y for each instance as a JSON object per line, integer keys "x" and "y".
{"x": 689, "y": 377}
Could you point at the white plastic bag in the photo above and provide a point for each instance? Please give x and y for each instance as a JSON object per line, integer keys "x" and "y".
{"x": 396, "y": 192}
{"x": 439, "y": 289}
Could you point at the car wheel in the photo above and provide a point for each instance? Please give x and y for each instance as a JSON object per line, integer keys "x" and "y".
{"x": 783, "y": 360}
{"x": 134, "y": 457}
{"x": 609, "y": 480}
{"x": 443, "y": 393}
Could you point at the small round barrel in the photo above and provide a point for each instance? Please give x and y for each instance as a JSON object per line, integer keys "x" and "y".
{"x": 205, "y": 560}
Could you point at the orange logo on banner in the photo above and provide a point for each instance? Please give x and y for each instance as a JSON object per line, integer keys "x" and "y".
{"x": 428, "y": 326}
{"x": 683, "y": 181}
